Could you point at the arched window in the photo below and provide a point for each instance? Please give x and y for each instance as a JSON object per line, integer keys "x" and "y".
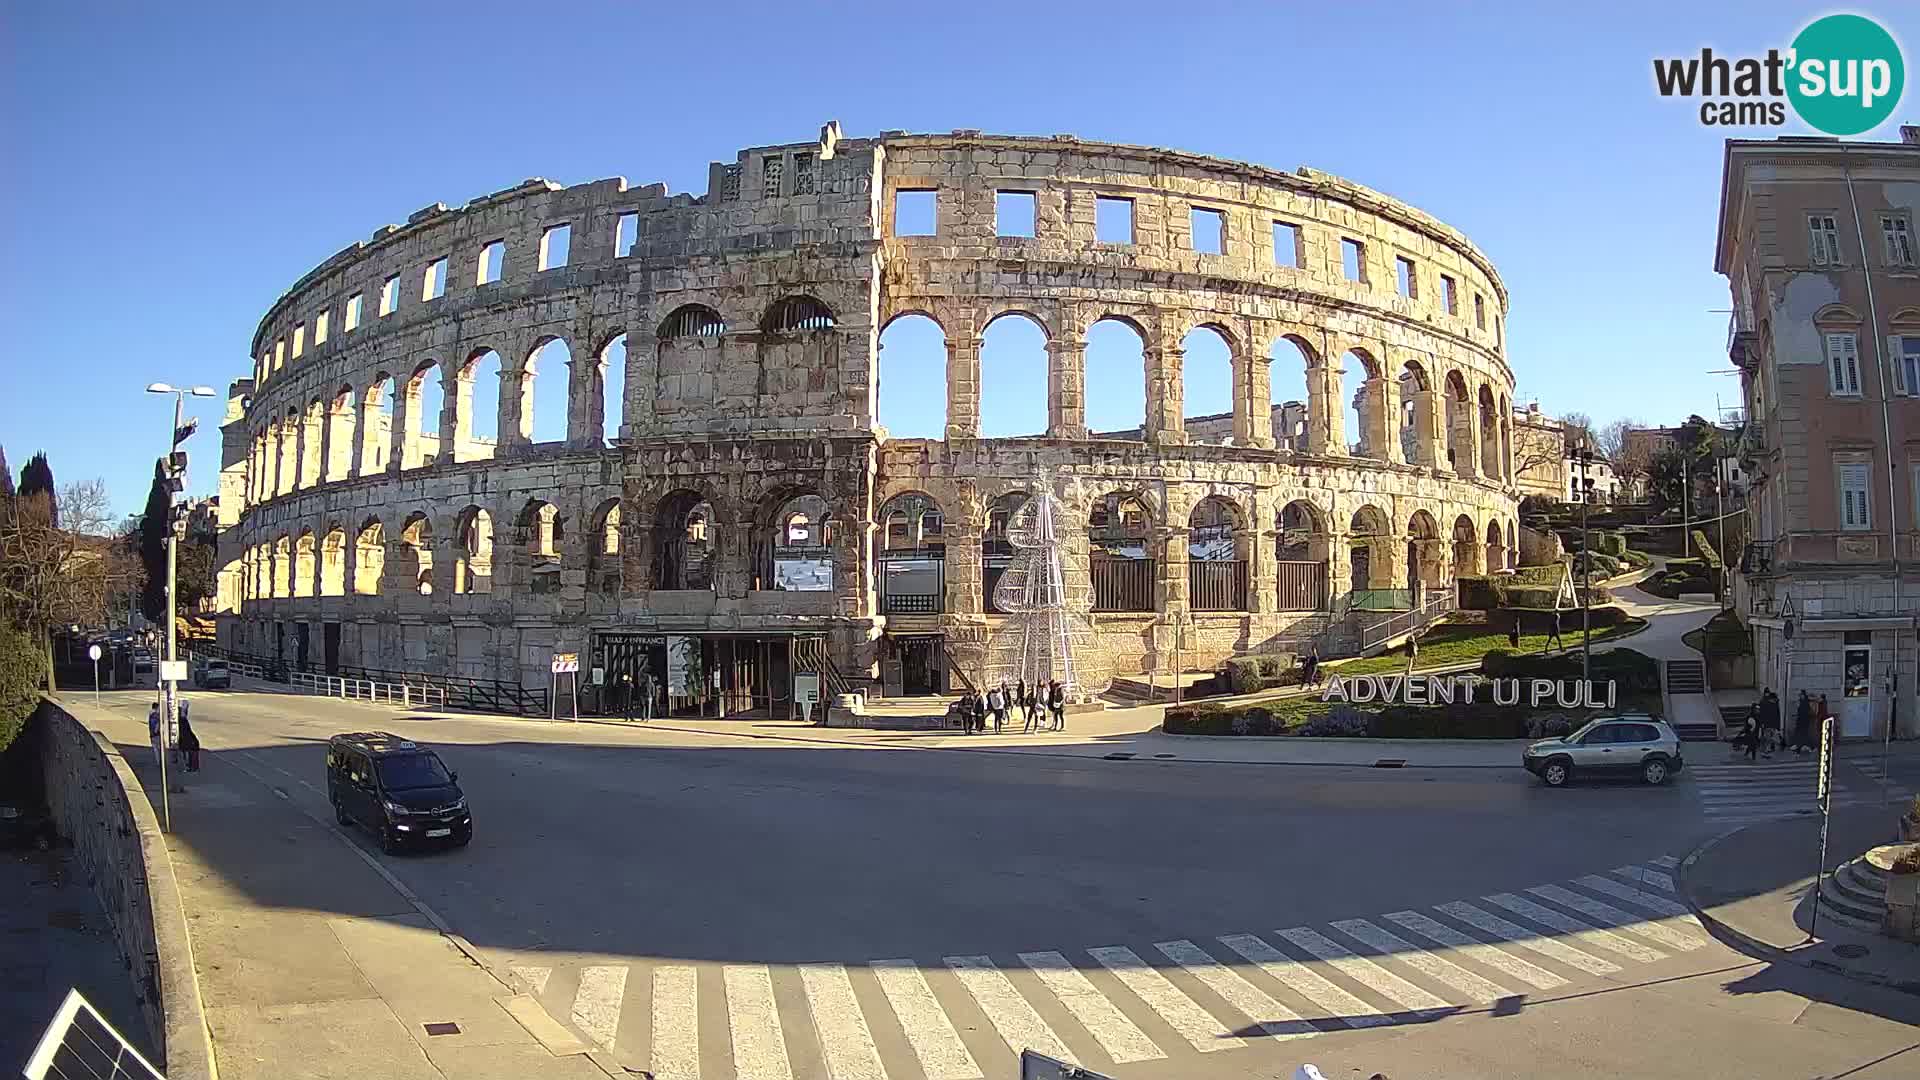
{"x": 1115, "y": 384}
{"x": 312, "y": 428}
{"x": 1459, "y": 425}
{"x": 613, "y": 388}
{"x": 1013, "y": 377}
{"x": 540, "y": 531}
{"x": 333, "y": 563}
{"x": 303, "y": 564}
{"x": 283, "y": 567}
{"x": 1426, "y": 554}
{"x": 1216, "y": 557}
{"x": 688, "y": 349}
{"x": 1366, "y": 419}
{"x": 1466, "y": 547}
{"x": 996, "y": 553}
{"x": 913, "y": 378}
{"x": 1371, "y": 563}
{"x": 1496, "y": 547}
{"x": 692, "y": 321}
{"x": 543, "y": 390}
{"x": 795, "y": 550}
{"x": 683, "y": 542}
{"x": 416, "y": 539}
{"x": 1490, "y": 457}
{"x": 912, "y": 557}
{"x": 480, "y": 405}
{"x": 1302, "y": 545}
{"x": 797, "y": 314}
{"x": 473, "y": 569}
{"x": 369, "y": 559}
{"x": 1206, "y": 379}
{"x": 1289, "y": 395}
{"x": 1121, "y": 563}
{"x": 341, "y": 418}
{"x": 420, "y": 398}
{"x": 603, "y": 550}
{"x": 1415, "y": 419}
{"x": 376, "y": 425}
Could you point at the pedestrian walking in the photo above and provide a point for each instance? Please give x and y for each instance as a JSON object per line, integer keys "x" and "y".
{"x": 1513, "y": 633}
{"x": 153, "y": 733}
{"x": 1030, "y": 704}
{"x": 1750, "y": 732}
{"x": 1057, "y": 702}
{"x": 1020, "y": 700}
{"x": 993, "y": 707}
{"x": 1413, "y": 651}
{"x": 1310, "y": 668}
{"x": 646, "y": 696}
{"x": 1553, "y": 632}
{"x": 1803, "y": 725}
{"x": 189, "y": 742}
{"x": 179, "y": 725}
{"x": 980, "y": 710}
{"x": 1769, "y": 723}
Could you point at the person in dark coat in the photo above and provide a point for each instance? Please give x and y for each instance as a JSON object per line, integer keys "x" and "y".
{"x": 1769, "y": 723}
{"x": 1513, "y": 633}
{"x": 1057, "y": 703}
{"x": 1803, "y": 725}
{"x": 189, "y": 742}
{"x": 979, "y": 710}
{"x": 1750, "y": 732}
{"x": 1310, "y": 667}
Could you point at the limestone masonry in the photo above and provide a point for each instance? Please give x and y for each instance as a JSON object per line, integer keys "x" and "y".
{"x": 751, "y": 506}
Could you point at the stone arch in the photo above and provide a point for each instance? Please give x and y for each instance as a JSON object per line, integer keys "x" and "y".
{"x": 1217, "y": 555}
{"x": 312, "y": 425}
{"x": 793, "y": 540}
{"x": 473, "y": 551}
{"x": 1114, "y": 385}
{"x": 1414, "y": 424}
{"x": 912, "y": 384}
{"x": 686, "y": 541}
{"x": 688, "y": 347}
{"x": 1490, "y": 458}
{"x": 305, "y": 563}
{"x": 341, "y": 417}
{"x": 539, "y": 533}
{"x": 1506, "y": 438}
{"x": 1426, "y": 553}
{"x": 910, "y": 559}
{"x": 1466, "y": 547}
{"x": 796, "y": 314}
{"x": 610, "y": 382}
{"x": 996, "y": 553}
{"x": 603, "y": 548}
{"x": 1291, "y": 360}
{"x": 1370, "y": 554}
{"x": 1013, "y": 375}
{"x": 369, "y": 558}
{"x": 376, "y": 423}
{"x": 282, "y": 566}
{"x": 1303, "y": 545}
{"x": 416, "y": 553}
{"x": 1459, "y": 424}
{"x": 546, "y": 377}
{"x": 477, "y": 409}
{"x": 1208, "y": 363}
{"x": 1496, "y": 547}
{"x": 1366, "y": 390}
{"x": 333, "y": 562}
{"x": 417, "y": 427}
{"x": 1120, "y": 535}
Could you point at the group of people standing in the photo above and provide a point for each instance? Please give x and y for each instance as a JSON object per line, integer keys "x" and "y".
{"x": 1041, "y": 707}
{"x": 186, "y": 744}
{"x": 1761, "y": 734}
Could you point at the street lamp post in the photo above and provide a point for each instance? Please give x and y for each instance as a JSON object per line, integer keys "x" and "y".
{"x": 1584, "y": 456}
{"x": 169, "y": 687}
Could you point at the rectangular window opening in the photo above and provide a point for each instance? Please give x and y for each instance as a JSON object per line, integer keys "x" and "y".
{"x": 914, "y": 212}
{"x": 1449, "y": 295}
{"x": 1112, "y": 220}
{"x": 299, "y": 341}
{"x": 433, "y": 284}
{"x": 1843, "y": 365}
{"x": 389, "y": 295}
{"x": 803, "y": 174}
{"x": 352, "y": 321}
{"x": 773, "y": 172}
{"x": 1405, "y": 278}
{"x": 1013, "y": 213}
{"x": 1823, "y": 240}
{"x": 1353, "y": 259}
{"x": 493, "y": 262}
{"x": 1899, "y": 238}
{"x": 626, "y": 232}
{"x": 1908, "y": 359}
{"x": 554, "y": 246}
{"x": 1479, "y": 312}
{"x": 1855, "y": 509}
{"x": 1209, "y": 228}
{"x": 320, "y": 327}
{"x": 1286, "y": 245}
{"x": 279, "y": 353}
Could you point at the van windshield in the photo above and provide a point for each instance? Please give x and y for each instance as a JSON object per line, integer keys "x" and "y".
{"x": 403, "y": 771}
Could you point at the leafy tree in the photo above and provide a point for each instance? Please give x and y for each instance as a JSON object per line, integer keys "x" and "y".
{"x": 154, "y": 524}
{"x": 6, "y": 477}
{"x": 37, "y": 479}
{"x": 20, "y": 670}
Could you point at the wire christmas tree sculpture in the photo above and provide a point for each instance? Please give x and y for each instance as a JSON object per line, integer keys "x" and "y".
{"x": 1047, "y": 635}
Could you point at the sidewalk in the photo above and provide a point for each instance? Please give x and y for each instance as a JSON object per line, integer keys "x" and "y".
{"x": 308, "y": 954}
{"x": 1753, "y": 885}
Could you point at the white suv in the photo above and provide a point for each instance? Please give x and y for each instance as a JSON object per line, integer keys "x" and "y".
{"x": 1608, "y": 745}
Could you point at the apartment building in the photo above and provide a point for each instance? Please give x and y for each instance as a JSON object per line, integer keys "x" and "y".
{"x": 1539, "y": 453}
{"x": 1816, "y": 239}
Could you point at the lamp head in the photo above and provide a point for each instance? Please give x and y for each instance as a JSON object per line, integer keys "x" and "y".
{"x": 160, "y": 388}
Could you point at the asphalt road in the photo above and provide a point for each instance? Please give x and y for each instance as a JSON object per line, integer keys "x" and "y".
{"x": 603, "y": 849}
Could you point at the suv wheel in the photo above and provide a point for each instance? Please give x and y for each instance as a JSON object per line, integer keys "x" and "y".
{"x": 1556, "y": 773}
{"x": 1654, "y": 771}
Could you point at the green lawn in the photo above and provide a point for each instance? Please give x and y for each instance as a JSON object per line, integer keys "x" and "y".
{"x": 1451, "y": 644}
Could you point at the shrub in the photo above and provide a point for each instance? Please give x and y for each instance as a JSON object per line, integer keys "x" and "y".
{"x": 1548, "y": 727}
{"x": 1243, "y": 674}
{"x": 22, "y": 663}
{"x": 1342, "y": 721}
{"x": 1614, "y": 544}
{"x": 1249, "y": 674}
{"x": 1531, "y": 596}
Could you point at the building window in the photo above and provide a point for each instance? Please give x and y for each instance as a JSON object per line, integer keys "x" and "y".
{"x": 353, "y": 314}
{"x": 626, "y": 232}
{"x": 1907, "y": 361}
{"x": 914, "y": 212}
{"x": 1209, "y": 229}
{"x": 1899, "y": 238}
{"x": 1286, "y": 244}
{"x": 730, "y": 184}
{"x": 1112, "y": 220}
{"x": 320, "y": 328}
{"x": 555, "y": 245}
{"x": 1013, "y": 213}
{"x": 1353, "y": 259}
{"x": 389, "y": 295}
{"x": 493, "y": 261}
{"x": 1843, "y": 365}
{"x": 1855, "y": 513}
{"x": 1479, "y": 312}
{"x": 803, "y": 174}
{"x": 1405, "y": 278}
{"x": 1449, "y": 295}
{"x": 279, "y": 353}
{"x": 1915, "y": 489}
{"x": 773, "y": 171}
{"x": 1823, "y": 240}
{"x": 299, "y": 340}
{"x": 433, "y": 285}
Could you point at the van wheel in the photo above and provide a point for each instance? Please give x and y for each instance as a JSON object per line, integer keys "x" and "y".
{"x": 1654, "y": 771}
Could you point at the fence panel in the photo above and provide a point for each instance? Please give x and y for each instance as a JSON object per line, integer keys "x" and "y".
{"x": 1122, "y": 584}
{"x": 1217, "y": 585}
{"x": 1302, "y": 586}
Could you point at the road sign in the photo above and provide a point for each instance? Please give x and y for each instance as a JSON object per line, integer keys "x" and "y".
{"x": 566, "y": 662}
{"x": 806, "y": 687}
{"x": 93, "y": 653}
{"x": 173, "y": 671}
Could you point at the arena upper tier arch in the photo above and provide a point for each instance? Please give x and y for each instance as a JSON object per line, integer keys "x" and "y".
{"x": 750, "y": 499}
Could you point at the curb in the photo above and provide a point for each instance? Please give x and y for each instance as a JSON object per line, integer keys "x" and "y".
{"x": 1765, "y": 950}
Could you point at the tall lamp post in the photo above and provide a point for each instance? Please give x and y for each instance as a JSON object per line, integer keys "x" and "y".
{"x": 1584, "y": 458}
{"x": 175, "y": 466}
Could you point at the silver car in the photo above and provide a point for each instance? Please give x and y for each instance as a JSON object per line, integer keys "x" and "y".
{"x": 1630, "y": 745}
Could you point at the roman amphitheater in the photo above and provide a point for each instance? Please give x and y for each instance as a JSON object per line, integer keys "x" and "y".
{"x": 390, "y": 505}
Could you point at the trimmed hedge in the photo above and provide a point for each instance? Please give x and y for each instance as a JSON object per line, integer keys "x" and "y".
{"x": 1247, "y": 674}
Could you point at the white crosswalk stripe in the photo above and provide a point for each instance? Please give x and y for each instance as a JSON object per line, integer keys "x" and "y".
{"x": 1010, "y": 1014}
{"x": 1195, "y": 1024}
{"x": 1581, "y": 932}
{"x": 676, "y": 1027}
{"x": 1433, "y": 967}
{"x": 1772, "y": 791}
{"x": 1116, "y": 1034}
{"x": 1666, "y": 862}
{"x": 1295, "y": 976}
{"x": 1364, "y": 971}
{"x": 942, "y": 1055}
{"x": 1418, "y": 963}
{"x": 845, "y": 1040}
{"x": 1610, "y": 916}
{"x": 1519, "y": 935}
{"x": 1476, "y": 950}
{"x": 596, "y": 1005}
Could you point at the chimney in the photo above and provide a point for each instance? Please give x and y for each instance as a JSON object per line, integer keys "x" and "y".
{"x": 1910, "y": 134}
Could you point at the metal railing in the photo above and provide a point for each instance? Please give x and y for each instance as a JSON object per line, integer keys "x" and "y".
{"x": 1217, "y": 585}
{"x": 1122, "y": 584}
{"x": 1439, "y": 603}
{"x": 1380, "y": 600}
{"x": 410, "y": 689}
{"x": 1302, "y": 586}
{"x": 405, "y": 695}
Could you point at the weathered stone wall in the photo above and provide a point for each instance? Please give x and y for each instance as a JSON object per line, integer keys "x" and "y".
{"x": 751, "y": 318}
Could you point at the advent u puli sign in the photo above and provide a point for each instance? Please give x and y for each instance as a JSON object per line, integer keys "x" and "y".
{"x": 1466, "y": 689}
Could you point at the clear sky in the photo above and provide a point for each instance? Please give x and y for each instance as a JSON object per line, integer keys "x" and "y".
{"x": 171, "y": 169}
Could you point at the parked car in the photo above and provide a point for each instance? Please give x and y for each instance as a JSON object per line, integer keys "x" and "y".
{"x": 1628, "y": 745}
{"x": 398, "y": 789}
{"x": 142, "y": 661}
{"x": 212, "y": 675}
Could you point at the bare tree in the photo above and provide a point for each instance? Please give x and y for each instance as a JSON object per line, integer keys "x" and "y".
{"x": 54, "y": 575}
{"x": 1577, "y": 428}
{"x": 1631, "y": 458}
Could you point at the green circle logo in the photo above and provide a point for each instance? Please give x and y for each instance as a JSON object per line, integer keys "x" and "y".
{"x": 1847, "y": 74}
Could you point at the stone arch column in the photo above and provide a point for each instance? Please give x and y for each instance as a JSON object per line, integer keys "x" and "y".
{"x": 642, "y": 375}
{"x": 962, "y": 531}
{"x": 586, "y": 400}
{"x": 1253, "y": 397}
{"x": 1326, "y": 421}
{"x": 456, "y": 411}
{"x": 1427, "y": 434}
{"x": 1253, "y": 544}
{"x": 1383, "y": 417}
{"x": 516, "y": 386}
{"x": 1066, "y": 386}
{"x": 287, "y": 474}
{"x": 1166, "y": 394}
{"x": 1466, "y": 437}
{"x": 963, "y": 383}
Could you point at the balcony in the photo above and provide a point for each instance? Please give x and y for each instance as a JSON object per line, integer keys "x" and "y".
{"x": 1743, "y": 344}
{"x": 1752, "y": 447}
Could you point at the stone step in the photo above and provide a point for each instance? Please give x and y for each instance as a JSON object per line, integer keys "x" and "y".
{"x": 1848, "y": 880}
{"x": 1835, "y": 898}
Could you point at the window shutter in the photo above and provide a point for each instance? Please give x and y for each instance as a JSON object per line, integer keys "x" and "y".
{"x": 1816, "y": 243}
{"x": 1853, "y": 496}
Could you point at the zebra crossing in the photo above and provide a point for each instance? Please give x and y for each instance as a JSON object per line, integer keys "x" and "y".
{"x": 967, "y": 1017}
{"x": 1742, "y": 794}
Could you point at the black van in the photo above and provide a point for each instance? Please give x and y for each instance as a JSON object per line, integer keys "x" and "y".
{"x": 397, "y": 788}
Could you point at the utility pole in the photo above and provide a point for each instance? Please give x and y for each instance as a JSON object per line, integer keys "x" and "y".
{"x": 174, "y": 466}
{"x": 1584, "y": 456}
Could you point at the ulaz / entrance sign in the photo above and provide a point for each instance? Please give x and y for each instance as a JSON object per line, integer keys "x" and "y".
{"x": 1448, "y": 689}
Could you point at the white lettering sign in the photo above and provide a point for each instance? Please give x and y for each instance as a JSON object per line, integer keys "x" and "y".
{"x": 1448, "y": 689}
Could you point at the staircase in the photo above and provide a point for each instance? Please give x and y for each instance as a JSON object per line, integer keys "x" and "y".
{"x": 1855, "y": 894}
{"x": 810, "y": 654}
{"x": 1686, "y": 677}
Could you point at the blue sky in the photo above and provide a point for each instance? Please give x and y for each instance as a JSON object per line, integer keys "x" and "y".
{"x": 173, "y": 168}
